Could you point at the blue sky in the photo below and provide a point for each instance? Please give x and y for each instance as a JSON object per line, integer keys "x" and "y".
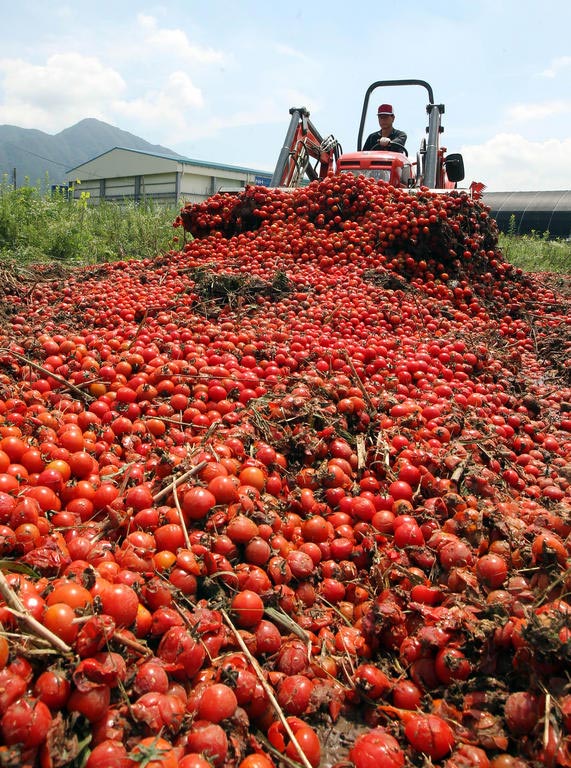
{"x": 214, "y": 79}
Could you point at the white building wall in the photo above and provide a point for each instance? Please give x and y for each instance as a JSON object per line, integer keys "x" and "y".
{"x": 124, "y": 174}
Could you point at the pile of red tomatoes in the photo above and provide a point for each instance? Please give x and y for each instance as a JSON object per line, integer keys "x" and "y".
{"x": 322, "y": 517}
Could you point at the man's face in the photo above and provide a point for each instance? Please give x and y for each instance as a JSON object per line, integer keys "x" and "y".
{"x": 386, "y": 121}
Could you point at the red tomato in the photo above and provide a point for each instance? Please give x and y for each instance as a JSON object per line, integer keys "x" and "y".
{"x": 120, "y": 601}
{"x": 522, "y": 712}
{"x": 71, "y": 438}
{"x": 257, "y": 551}
{"x": 92, "y": 703}
{"x": 180, "y": 651}
{"x": 109, "y": 754}
{"x": 224, "y": 488}
{"x": 26, "y": 510}
{"x": 194, "y": 760}
{"x": 46, "y": 497}
{"x": 406, "y": 694}
{"x": 371, "y": 681}
{"x": 430, "y": 734}
{"x": 53, "y": 688}
{"x": 492, "y": 570}
{"x": 12, "y": 687}
{"x": 59, "y": 619}
{"x": 169, "y": 537}
{"x": 255, "y": 760}
{"x": 104, "y": 495}
{"x": 160, "y": 712}
{"x": 4, "y": 651}
{"x": 468, "y": 756}
{"x": 316, "y": 529}
{"x": 139, "y": 497}
{"x": 308, "y": 742}
{"x": 247, "y": 608}
{"x": 81, "y": 464}
{"x": 451, "y": 664}
{"x": 333, "y": 590}
{"x": 399, "y": 489}
{"x": 363, "y": 508}
{"x": 197, "y": 503}
{"x": 14, "y": 447}
{"x": 71, "y": 593}
{"x": 410, "y": 474}
{"x": 217, "y": 703}
{"x": 8, "y": 483}
{"x": 151, "y": 676}
{"x": 60, "y": 466}
{"x": 266, "y": 454}
{"x": 210, "y": 740}
{"x": 306, "y": 738}
{"x": 294, "y": 693}
{"x": 154, "y": 752}
{"x": 268, "y": 637}
{"x": 253, "y": 476}
{"x": 241, "y": 529}
{"x": 5, "y": 462}
{"x": 376, "y": 749}
{"x": 408, "y": 534}
{"x": 26, "y": 721}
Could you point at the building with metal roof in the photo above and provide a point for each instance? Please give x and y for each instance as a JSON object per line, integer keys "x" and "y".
{"x": 131, "y": 174}
{"x": 521, "y": 213}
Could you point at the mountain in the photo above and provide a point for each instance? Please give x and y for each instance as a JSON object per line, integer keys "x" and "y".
{"x": 36, "y": 155}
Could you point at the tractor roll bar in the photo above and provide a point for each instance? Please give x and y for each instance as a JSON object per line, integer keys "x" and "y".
{"x": 382, "y": 84}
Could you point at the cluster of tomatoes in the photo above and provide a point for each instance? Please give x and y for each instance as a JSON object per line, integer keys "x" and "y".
{"x": 327, "y": 521}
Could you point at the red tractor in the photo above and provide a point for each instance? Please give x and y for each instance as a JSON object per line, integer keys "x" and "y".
{"x": 431, "y": 168}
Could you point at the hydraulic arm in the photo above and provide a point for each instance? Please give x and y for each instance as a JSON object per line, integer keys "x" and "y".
{"x": 303, "y": 143}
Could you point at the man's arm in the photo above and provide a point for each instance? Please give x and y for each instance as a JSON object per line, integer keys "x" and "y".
{"x": 399, "y": 137}
{"x": 372, "y": 141}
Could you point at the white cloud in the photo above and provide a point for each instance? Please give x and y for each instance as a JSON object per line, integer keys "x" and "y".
{"x": 70, "y": 87}
{"x": 556, "y": 65}
{"x": 175, "y": 42}
{"x": 287, "y": 50}
{"x": 182, "y": 90}
{"x": 271, "y": 110}
{"x": 168, "y": 112}
{"x": 538, "y": 110}
{"x": 508, "y": 162}
{"x": 164, "y": 101}
{"x": 52, "y": 96}
{"x": 188, "y": 126}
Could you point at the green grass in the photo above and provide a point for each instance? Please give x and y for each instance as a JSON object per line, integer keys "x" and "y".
{"x": 537, "y": 253}
{"x": 37, "y": 225}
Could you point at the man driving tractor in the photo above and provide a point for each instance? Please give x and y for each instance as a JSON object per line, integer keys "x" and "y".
{"x": 387, "y": 137}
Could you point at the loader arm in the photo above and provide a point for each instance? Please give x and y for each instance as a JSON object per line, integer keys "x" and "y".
{"x": 303, "y": 143}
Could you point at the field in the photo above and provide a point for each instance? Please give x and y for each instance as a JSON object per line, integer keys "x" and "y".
{"x": 287, "y": 483}
{"x": 37, "y": 226}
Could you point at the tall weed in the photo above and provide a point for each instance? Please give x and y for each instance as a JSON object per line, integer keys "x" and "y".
{"x": 536, "y": 252}
{"x": 39, "y": 224}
